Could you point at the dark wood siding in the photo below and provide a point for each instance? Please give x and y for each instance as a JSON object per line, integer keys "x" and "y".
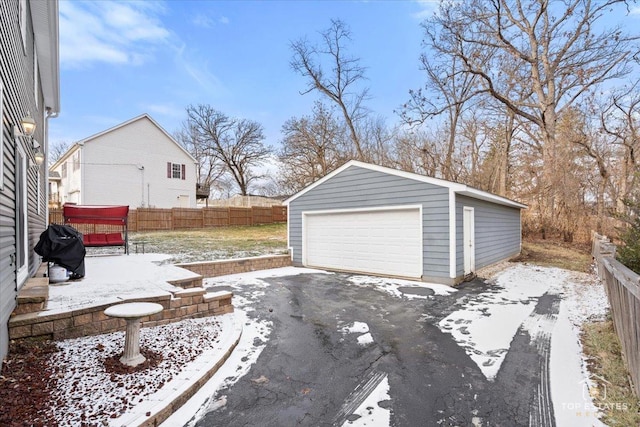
{"x": 17, "y": 73}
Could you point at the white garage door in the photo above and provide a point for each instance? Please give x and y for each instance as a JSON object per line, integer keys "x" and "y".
{"x": 386, "y": 242}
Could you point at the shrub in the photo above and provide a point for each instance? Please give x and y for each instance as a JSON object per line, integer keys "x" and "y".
{"x": 629, "y": 252}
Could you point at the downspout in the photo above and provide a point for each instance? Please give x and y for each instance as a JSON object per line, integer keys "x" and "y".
{"x": 50, "y": 115}
{"x": 452, "y": 235}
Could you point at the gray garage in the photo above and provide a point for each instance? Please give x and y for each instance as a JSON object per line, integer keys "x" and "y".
{"x": 371, "y": 219}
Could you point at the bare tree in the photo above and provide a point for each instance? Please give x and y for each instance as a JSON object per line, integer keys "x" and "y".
{"x": 335, "y": 74}
{"x": 377, "y": 140}
{"x": 209, "y": 168}
{"x": 236, "y": 143}
{"x": 538, "y": 58}
{"x": 448, "y": 90}
{"x": 312, "y": 147}
{"x": 415, "y": 151}
{"x": 57, "y": 150}
{"x": 620, "y": 121}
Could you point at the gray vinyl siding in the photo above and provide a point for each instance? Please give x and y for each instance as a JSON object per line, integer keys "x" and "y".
{"x": 497, "y": 232}
{"x": 16, "y": 71}
{"x": 356, "y": 188}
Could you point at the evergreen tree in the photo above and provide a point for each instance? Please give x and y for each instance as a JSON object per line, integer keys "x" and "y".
{"x": 629, "y": 252}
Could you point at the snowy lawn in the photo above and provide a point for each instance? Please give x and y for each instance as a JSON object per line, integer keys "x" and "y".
{"x": 215, "y": 243}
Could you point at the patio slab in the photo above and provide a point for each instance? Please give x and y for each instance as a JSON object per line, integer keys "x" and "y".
{"x": 117, "y": 278}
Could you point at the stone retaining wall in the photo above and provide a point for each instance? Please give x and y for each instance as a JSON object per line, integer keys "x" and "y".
{"x": 234, "y": 266}
{"x": 179, "y": 305}
{"x": 191, "y": 302}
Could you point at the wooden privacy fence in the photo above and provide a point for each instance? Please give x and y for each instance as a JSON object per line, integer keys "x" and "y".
{"x": 150, "y": 219}
{"x": 623, "y": 290}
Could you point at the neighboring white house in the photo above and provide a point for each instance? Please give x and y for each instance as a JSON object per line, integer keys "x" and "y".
{"x": 136, "y": 163}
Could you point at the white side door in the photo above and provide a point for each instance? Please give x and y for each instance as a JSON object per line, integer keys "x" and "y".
{"x": 468, "y": 238}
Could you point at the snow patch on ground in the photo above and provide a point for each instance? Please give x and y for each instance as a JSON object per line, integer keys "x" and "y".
{"x": 355, "y": 327}
{"x": 485, "y": 325}
{"x": 135, "y": 275}
{"x": 572, "y": 404}
{"x": 86, "y": 394}
{"x": 212, "y": 395}
{"x": 584, "y": 299}
{"x": 370, "y": 413}
{"x": 392, "y": 286}
{"x": 365, "y": 338}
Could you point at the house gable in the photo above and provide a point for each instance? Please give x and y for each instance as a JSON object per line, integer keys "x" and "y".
{"x": 128, "y": 124}
{"x": 129, "y": 164}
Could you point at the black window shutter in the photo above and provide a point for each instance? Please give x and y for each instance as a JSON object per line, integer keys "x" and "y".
{"x": 168, "y": 169}
{"x": 184, "y": 171}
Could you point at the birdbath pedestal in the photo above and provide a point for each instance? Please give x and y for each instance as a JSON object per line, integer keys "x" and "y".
{"x": 132, "y": 312}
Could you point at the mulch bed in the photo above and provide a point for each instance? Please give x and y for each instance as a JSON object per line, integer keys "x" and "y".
{"x": 27, "y": 382}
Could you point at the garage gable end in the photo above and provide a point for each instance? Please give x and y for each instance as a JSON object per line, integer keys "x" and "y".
{"x": 360, "y": 205}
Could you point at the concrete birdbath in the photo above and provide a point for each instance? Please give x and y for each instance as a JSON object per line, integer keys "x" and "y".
{"x": 132, "y": 312}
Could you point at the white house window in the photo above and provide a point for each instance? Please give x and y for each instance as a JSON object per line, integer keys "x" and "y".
{"x": 176, "y": 170}
{"x": 64, "y": 170}
{"x": 76, "y": 161}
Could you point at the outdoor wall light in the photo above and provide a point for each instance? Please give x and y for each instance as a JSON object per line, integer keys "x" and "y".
{"x": 39, "y": 157}
{"x": 28, "y": 127}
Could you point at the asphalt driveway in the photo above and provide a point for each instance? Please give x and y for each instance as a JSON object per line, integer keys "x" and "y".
{"x": 337, "y": 338}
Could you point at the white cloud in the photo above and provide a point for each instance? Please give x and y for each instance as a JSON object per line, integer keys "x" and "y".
{"x": 206, "y": 21}
{"x": 197, "y": 68}
{"x": 109, "y": 32}
{"x": 165, "y": 110}
{"x": 634, "y": 11}
{"x": 203, "y": 21}
{"x": 427, "y": 9}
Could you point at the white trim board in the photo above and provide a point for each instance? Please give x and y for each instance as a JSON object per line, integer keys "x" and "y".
{"x": 458, "y": 188}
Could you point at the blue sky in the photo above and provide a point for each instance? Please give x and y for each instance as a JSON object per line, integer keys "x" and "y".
{"x": 121, "y": 59}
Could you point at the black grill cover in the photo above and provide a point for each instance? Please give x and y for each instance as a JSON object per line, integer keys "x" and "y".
{"x": 63, "y": 245}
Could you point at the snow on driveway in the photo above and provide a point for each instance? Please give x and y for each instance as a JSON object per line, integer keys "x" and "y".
{"x": 486, "y": 324}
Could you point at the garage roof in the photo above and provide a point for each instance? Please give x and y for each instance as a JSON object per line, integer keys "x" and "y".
{"x": 461, "y": 189}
